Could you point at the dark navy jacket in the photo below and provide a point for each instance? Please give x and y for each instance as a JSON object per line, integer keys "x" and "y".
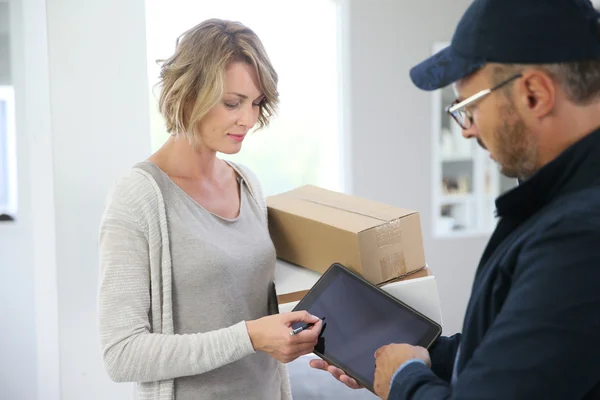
{"x": 532, "y": 326}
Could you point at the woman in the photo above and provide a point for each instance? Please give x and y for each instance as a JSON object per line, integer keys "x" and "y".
{"x": 186, "y": 258}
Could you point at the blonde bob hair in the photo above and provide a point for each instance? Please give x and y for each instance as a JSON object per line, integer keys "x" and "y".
{"x": 192, "y": 79}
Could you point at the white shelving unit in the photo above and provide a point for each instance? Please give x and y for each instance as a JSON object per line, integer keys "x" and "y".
{"x": 466, "y": 182}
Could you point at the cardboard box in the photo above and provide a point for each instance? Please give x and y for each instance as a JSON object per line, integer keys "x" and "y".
{"x": 313, "y": 227}
{"x": 293, "y": 282}
{"x": 419, "y": 290}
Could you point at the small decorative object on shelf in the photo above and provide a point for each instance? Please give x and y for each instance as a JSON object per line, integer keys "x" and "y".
{"x": 466, "y": 182}
{"x": 6, "y": 217}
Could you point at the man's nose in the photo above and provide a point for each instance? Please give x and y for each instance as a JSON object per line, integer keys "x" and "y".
{"x": 470, "y": 133}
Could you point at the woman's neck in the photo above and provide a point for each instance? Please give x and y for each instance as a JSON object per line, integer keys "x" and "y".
{"x": 179, "y": 158}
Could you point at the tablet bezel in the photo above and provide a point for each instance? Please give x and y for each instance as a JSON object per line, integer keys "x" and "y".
{"x": 432, "y": 334}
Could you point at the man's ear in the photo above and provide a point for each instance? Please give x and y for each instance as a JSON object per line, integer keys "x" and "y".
{"x": 536, "y": 92}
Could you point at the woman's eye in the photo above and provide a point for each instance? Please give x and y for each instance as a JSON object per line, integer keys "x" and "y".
{"x": 232, "y": 105}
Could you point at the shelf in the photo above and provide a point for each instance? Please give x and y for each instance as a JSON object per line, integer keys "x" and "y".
{"x": 463, "y": 233}
{"x": 465, "y": 181}
{"x": 456, "y": 198}
{"x": 456, "y": 158}
{"x": 491, "y": 197}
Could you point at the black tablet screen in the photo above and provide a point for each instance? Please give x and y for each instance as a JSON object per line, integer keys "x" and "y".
{"x": 358, "y": 320}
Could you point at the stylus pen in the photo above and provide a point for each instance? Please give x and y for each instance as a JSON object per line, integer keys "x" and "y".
{"x": 302, "y": 328}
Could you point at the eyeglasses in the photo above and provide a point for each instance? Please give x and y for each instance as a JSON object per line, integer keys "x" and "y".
{"x": 462, "y": 115}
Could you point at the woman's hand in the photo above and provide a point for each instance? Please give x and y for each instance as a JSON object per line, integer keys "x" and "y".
{"x": 337, "y": 373}
{"x": 271, "y": 335}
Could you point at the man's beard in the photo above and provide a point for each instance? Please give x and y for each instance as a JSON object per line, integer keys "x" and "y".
{"x": 517, "y": 150}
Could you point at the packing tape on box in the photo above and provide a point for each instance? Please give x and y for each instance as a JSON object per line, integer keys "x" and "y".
{"x": 386, "y": 235}
{"x": 321, "y": 203}
{"x": 393, "y": 265}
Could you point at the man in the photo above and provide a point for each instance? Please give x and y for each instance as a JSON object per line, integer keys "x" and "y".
{"x": 527, "y": 76}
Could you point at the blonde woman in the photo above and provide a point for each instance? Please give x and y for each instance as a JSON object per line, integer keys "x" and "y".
{"x": 187, "y": 264}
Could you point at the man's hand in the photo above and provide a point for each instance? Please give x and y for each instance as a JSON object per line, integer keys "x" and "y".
{"x": 337, "y": 373}
{"x": 387, "y": 361}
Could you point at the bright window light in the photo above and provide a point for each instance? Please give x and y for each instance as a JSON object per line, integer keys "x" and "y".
{"x": 303, "y": 143}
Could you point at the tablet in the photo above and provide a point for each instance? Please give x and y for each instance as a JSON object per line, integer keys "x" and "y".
{"x": 358, "y": 318}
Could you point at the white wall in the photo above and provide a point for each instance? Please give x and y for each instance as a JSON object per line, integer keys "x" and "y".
{"x": 4, "y": 61}
{"x": 82, "y": 120}
{"x": 4, "y": 18}
{"x": 100, "y": 128}
{"x": 17, "y": 308}
{"x": 391, "y": 125}
{"x": 4, "y": 44}
{"x": 87, "y": 122}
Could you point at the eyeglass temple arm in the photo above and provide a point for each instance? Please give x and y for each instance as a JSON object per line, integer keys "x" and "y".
{"x": 470, "y": 100}
{"x": 479, "y": 95}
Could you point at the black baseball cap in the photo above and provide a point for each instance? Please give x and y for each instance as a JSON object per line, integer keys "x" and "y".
{"x": 513, "y": 32}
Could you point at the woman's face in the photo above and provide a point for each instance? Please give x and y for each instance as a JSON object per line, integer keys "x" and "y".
{"x": 225, "y": 126}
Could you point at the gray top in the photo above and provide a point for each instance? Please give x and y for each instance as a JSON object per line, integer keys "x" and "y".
{"x": 173, "y": 320}
{"x": 222, "y": 270}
